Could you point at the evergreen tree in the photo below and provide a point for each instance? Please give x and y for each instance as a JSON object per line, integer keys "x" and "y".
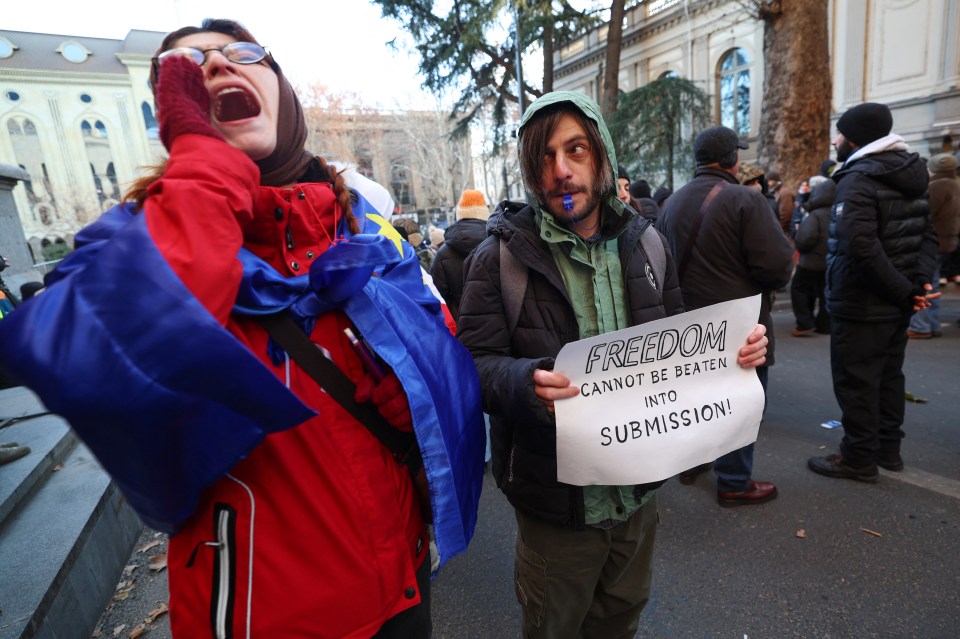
{"x": 654, "y": 125}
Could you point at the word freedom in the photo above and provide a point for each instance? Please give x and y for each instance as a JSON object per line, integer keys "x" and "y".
{"x": 663, "y": 424}
{"x": 693, "y": 340}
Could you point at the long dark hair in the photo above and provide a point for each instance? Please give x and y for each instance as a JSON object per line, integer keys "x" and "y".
{"x": 535, "y": 135}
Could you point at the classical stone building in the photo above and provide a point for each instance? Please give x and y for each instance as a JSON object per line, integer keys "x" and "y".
{"x": 905, "y": 53}
{"x": 76, "y": 113}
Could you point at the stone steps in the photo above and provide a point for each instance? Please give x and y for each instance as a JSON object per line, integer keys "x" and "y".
{"x": 65, "y": 530}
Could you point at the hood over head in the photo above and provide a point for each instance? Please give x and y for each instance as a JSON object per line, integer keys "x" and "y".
{"x": 821, "y": 195}
{"x": 899, "y": 170}
{"x": 592, "y": 111}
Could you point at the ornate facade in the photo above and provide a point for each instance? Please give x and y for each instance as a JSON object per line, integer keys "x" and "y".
{"x": 77, "y": 114}
{"x": 905, "y": 53}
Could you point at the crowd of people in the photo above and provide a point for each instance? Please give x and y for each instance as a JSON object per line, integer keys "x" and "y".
{"x": 305, "y": 488}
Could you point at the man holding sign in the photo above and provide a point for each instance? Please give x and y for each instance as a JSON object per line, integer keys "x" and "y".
{"x": 574, "y": 264}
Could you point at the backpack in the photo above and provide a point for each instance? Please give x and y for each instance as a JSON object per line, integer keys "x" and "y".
{"x": 514, "y": 275}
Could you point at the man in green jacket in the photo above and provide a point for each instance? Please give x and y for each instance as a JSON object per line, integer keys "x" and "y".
{"x": 583, "y": 554}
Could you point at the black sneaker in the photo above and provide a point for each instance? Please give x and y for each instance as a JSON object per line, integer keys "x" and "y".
{"x": 835, "y": 466}
{"x": 890, "y": 461}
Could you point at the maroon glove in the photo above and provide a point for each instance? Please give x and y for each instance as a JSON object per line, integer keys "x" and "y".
{"x": 389, "y": 398}
{"x": 183, "y": 102}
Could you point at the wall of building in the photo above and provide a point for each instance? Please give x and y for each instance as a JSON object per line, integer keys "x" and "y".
{"x": 905, "y": 53}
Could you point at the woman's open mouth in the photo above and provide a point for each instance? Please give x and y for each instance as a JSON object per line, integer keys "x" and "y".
{"x": 233, "y": 103}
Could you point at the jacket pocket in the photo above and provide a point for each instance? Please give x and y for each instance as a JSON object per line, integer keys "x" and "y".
{"x": 223, "y": 589}
{"x": 530, "y": 580}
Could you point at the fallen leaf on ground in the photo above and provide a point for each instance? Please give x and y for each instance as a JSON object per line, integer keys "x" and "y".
{"x": 156, "y": 612}
{"x": 128, "y": 570}
{"x": 822, "y": 447}
{"x": 158, "y": 562}
{"x": 139, "y": 630}
{"x": 871, "y": 532}
{"x": 118, "y": 630}
{"x": 147, "y": 546}
{"x": 96, "y": 634}
{"x": 801, "y": 533}
{"x": 58, "y": 467}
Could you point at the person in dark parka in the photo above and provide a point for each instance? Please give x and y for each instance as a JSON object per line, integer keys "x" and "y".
{"x": 460, "y": 239}
{"x": 807, "y": 285}
{"x": 880, "y": 261}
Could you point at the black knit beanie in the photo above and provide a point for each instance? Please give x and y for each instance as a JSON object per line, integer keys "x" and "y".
{"x": 865, "y": 123}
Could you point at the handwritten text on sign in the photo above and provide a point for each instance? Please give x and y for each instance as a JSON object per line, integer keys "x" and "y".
{"x": 658, "y": 398}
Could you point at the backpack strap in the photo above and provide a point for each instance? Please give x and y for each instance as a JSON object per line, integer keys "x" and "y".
{"x": 513, "y": 285}
{"x": 656, "y": 256}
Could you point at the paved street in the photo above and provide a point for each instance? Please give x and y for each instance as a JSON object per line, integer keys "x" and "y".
{"x": 875, "y": 561}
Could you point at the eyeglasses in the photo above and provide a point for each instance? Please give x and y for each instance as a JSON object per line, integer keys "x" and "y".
{"x": 239, "y": 52}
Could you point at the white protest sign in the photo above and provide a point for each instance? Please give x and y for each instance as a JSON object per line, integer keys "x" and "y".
{"x": 658, "y": 398}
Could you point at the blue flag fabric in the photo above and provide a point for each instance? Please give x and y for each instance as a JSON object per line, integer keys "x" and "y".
{"x": 187, "y": 401}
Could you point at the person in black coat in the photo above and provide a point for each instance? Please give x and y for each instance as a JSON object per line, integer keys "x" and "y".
{"x": 727, "y": 246}
{"x": 880, "y": 261}
{"x": 806, "y": 287}
{"x": 459, "y": 240}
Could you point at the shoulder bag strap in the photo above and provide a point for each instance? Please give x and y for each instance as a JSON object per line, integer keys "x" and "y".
{"x": 305, "y": 353}
{"x": 695, "y": 230}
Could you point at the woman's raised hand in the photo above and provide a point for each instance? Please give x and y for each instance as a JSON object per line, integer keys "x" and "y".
{"x": 183, "y": 102}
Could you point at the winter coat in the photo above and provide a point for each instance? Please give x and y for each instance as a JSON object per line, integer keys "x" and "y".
{"x": 523, "y": 433}
{"x": 447, "y": 270}
{"x": 882, "y": 246}
{"x": 302, "y": 522}
{"x": 814, "y": 229}
{"x": 740, "y": 250}
{"x": 945, "y": 209}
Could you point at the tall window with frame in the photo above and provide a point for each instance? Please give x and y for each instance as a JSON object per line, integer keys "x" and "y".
{"x": 734, "y": 87}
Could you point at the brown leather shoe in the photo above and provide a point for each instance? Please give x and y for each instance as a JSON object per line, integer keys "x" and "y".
{"x": 918, "y": 334}
{"x": 757, "y": 492}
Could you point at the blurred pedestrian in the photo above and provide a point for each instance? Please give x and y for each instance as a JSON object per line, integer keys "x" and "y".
{"x": 945, "y": 214}
{"x": 642, "y": 200}
{"x": 752, "y": 176}
{"x": 807, "y": 285}
{"x": 461, "y": 238}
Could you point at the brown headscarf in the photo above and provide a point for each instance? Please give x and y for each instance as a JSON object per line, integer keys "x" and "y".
{"x": 289, "y": 159}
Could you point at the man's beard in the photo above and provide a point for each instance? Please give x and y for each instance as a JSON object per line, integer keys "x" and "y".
{"x": 573, "y": 217}
{"x": 844, "y": 151}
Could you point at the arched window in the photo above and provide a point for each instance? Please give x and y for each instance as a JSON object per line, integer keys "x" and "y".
{"x": 153, "y": 129}
{"x": 669, "y": 74}
{"x": 734, "y": 83}
{"x": 97, "y": 145}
